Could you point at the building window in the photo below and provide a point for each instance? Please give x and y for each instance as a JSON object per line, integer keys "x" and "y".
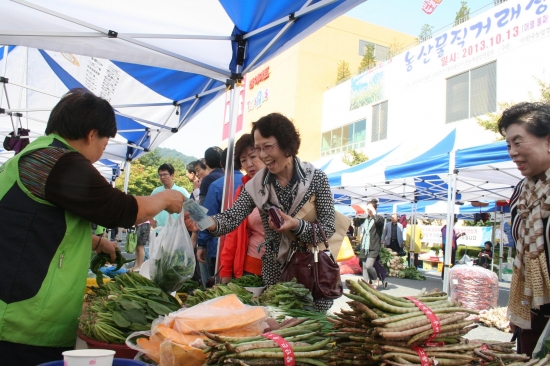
{"x": 380, "y": 52}
{"x": 349, "y": 137}
{"x": 379, "y": 121}
{"x": 472, "y": 93}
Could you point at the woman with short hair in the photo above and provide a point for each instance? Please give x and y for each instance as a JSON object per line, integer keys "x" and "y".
{"x": 526, "y": 127}
{"x": 49, "y": 194}
{"x": 288, "y": 184}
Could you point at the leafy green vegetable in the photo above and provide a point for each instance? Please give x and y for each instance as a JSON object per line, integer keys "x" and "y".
{"x": 189, "y": 286}
{"x": 411, "y": 273}
{"x": 220, "y": 290}
{"x": 120, "y": 320}
{"x": 385, "y": 257}
{"x": 172, "y": 269}
{"x": 129, "y": 303}
{"x": 249, "y": 281}
{"x": 288, "y": 295}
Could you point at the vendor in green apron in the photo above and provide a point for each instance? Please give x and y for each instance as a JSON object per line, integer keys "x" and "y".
{"x": 49, "y": 195}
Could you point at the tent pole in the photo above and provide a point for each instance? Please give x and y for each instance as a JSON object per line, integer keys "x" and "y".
{"x": 229, "y": 178}
{"x": 126, "y": 175}
{"x": 493, "y": 236}
{"x": 451, "y": 196}
{"x": 501, "y": 245}
{"x": 4, "y": 67}
{"x": 413, "y": 234}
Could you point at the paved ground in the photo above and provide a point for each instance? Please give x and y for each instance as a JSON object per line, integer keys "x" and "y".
{"x": 406, "y": 287}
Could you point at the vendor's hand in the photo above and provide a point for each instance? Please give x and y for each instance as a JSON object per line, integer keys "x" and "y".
{"x": 226, "y": 280}
{"x": 201, "y": 254}
{"x": 289, "y": 223}
{"x": 108, "y": 247}
{"x": 174, "y": 200}
{"x": 512, "y": 327}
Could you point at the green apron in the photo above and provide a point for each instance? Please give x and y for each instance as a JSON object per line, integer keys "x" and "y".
{"x": 47, "y": 315}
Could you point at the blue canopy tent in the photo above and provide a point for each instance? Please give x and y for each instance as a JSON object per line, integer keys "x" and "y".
{"x": 390, "y": 178}
{"x": 184, "y": 52}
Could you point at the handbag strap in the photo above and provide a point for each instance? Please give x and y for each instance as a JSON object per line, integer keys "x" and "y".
{"x": 312, "y": 225}
{"x": 322, "y": 231}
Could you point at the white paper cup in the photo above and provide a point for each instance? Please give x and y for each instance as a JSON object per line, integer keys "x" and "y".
{"x": 256, "y": 291}
{"x": 89, "y": 357}
{"x": 144, "y": 269}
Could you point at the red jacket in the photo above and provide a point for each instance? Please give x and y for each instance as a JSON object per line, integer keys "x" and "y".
{"x": 235, "y": 247}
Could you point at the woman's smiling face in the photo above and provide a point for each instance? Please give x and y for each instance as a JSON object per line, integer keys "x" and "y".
{"x": 530, "y": 153}
{"x": 269, "y": 151}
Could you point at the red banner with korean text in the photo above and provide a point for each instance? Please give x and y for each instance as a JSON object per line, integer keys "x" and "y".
{"x": 430, "y": 5}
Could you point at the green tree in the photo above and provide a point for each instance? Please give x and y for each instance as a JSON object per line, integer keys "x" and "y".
{"x": 144, "y": 175}
{"x": 490, "y": 121}
{"x": 353, "y": 157}
{"x": 368, "y": 61}
{"x": 425, "y": 33}
{"x": 343, "y": 71}
{"x": 463, "y": 14}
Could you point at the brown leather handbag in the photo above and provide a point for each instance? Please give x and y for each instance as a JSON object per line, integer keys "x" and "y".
{"x": 316, "y": 269}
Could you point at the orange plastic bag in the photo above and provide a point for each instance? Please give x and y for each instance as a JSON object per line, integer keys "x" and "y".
{"x": 176, "y": 339}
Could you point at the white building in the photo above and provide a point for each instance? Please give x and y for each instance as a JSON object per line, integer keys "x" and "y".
{"x": 443, "y": 83}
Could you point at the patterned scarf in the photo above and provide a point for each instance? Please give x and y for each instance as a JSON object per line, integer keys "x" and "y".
{"x": 365, "y": 241}
{"x": 264, "y": 195}
{"x": 530, "y": 287}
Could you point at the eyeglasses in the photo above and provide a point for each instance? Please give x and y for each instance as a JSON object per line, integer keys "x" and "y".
{"x": 164, "y": 175}
{"x": 266, "y": 148}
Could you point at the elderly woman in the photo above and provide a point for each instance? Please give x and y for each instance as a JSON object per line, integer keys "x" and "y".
{"x": 526, "y": 127}
{"x": 49, "y": 194}
{"x": 241, "y": 253}
{"x": 286, "y": 183}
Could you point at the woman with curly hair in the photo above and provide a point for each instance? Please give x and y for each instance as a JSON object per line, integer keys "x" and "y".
{"x": 288, "y": 184}
{"x": 526, "y": 127}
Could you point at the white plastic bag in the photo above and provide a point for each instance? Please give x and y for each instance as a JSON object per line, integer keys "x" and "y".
{"x": 153, "y": 247}
{"x": 174, "y": 260}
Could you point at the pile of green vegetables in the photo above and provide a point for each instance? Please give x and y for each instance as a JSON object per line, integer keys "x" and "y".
{"x": 248, "y": 281}
{"x": 127, "y": 304}
{"x": 220, "y": 290}
{"x": 288, "y": 295}
{"x": 385, "y": 257}
{"x": 172, "y": 269}
{"x": 411, "y": 273}
{"x": 284, "y": 295}
{"x": 310, "y": 346}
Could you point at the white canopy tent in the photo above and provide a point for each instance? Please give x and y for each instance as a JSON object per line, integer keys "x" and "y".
{"x": 211, "y": 42}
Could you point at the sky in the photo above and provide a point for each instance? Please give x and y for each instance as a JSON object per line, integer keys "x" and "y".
{"x": 402, "y": 15}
